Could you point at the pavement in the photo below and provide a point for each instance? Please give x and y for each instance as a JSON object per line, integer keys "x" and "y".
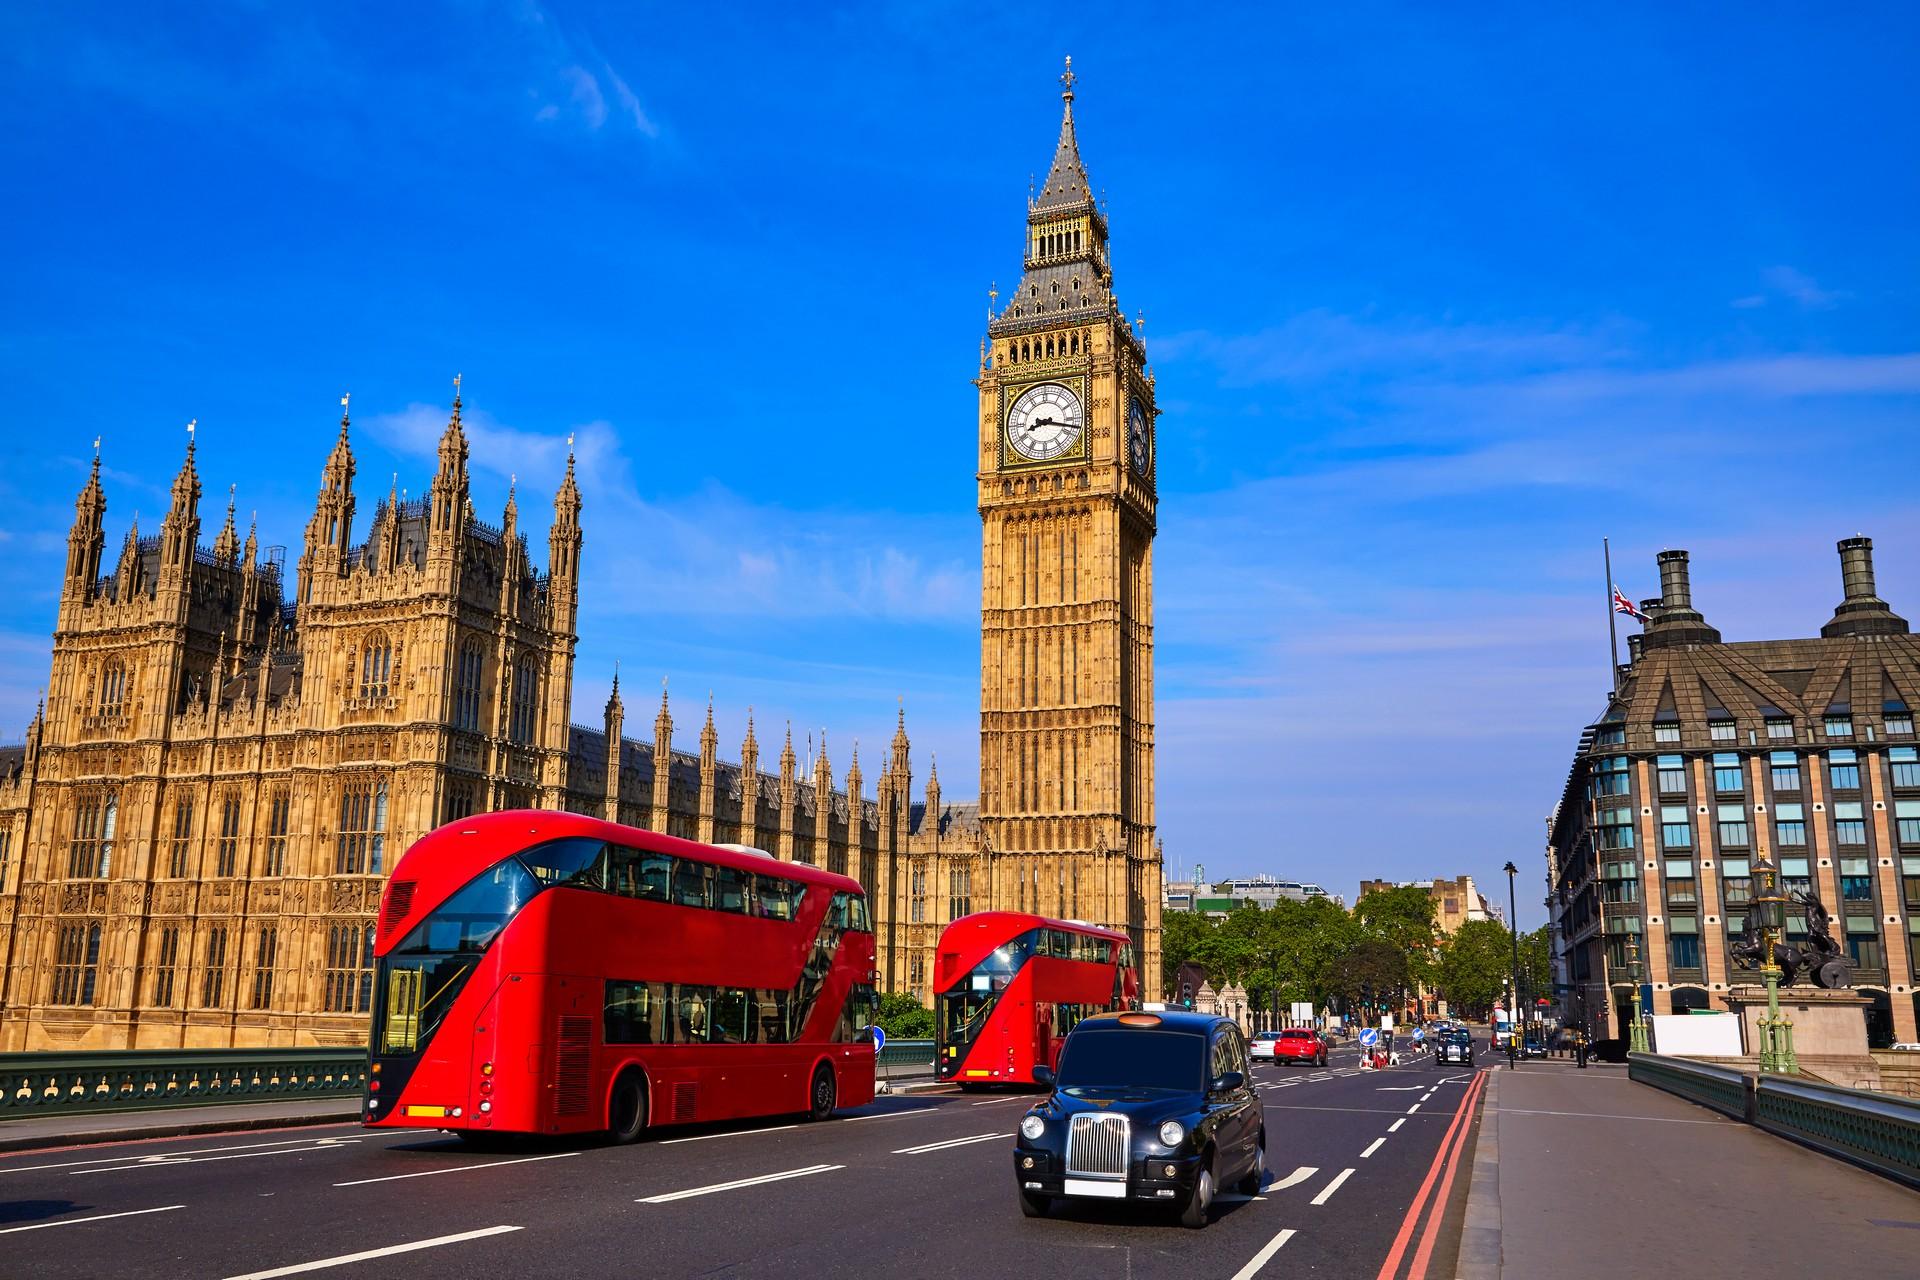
{"x": 919, "y": 1184}
{"x": 1582, "y": 1174}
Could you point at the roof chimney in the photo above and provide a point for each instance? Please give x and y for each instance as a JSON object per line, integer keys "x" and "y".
{"x": 1862, "y": 613}
{"x": 1677, "y": 621}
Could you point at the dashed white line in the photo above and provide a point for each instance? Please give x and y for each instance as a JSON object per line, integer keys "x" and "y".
{"x": 950, "y": 1142}
{"x": 1395, "y": 1126}
{"x": 389, "y": 1251}
{"x": 1372, "y": 1147}
{"x": 1333, "y": 1186}
{"x": 1415, "y": 1107}
{"x": 997, "y": 1102}
{"x": 98, "y": 1217}
{"x": 891, "y": 1115}
{"x": 1293, "y": 1179}
{"x": 176, "y": 1157}
{"x": 737, "y": 1183}
{"x": 459, "y": 1168}
{"x": 1267, "y": 1251}
{"x": 731, "y": 1133}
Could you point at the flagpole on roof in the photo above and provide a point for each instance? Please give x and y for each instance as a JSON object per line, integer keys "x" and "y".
{"x": 1613, "y": 632}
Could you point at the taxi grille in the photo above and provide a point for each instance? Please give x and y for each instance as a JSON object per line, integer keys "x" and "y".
{"x": 1097, "y": 1146}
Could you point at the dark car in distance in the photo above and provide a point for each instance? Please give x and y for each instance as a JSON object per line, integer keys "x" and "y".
{"x": 1452, "y": 1044}
{"x": 1153, "y": 1108}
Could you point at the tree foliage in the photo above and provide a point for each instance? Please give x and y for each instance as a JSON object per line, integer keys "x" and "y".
{"x": 903, "y": 1017}
{"x": 1474, "y": 966}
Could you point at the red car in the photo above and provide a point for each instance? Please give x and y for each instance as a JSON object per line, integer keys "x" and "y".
{"x": 1299, "y": 1044}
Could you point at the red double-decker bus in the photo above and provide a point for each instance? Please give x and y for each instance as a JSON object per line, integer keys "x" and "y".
{"x": 1009, "y": 986}
{"x": 553, "y": 973}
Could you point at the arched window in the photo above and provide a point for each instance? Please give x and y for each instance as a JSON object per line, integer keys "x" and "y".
{"x": 103, "y": 866}
{"x": 90, "y": 850}
{"x": 466, "y": 689}
{"x": 113, "y": 689}
{"x": 76, "y": 964}
{"x": 526, "y": 687}
{"x": 376, "y": 667}
{"x": 360, "y": 845}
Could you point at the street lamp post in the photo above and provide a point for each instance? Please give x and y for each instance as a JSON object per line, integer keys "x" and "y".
{"x": 1637, "y": 1035}
{"x": 1776, "y": 1032}
{"x": 1513, "y": 932}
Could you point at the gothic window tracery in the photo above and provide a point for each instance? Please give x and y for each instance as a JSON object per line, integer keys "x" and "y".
{"x": 525, "y": 691}
{"x": 182, "y": 837}
{"x": 90, "y": 852}
{"x": 76, "y": 964}
{"x": 376, "y": 667}
{"x": 227, "y": 851}
{"x": 348, "y": 984}
{"x": 113, "y": 689}
{"x": 466, "y": 695}
{"x": 360, "y": 844}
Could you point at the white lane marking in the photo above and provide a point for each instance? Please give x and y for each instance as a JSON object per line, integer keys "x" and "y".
{"x": 1333, "y": 1186}
{"x": 1260, "y": 1259}
{"x": 1399, "y": 1088}
{"x": 345, "y": 1258}
{"x": 995, "y": 1102}
{"x": 459, "y": 1168}
{"x": 176, "y": 1156}
{"x": 891, "y": 1115}
{"x": 1415, "y": 1107}
{"x": 168, "y": 1162}
{"x": 1372, "y": 1147}
{"x": 1395, "y": 1126}
{"x": 1426, "y": 1095}
{"x": 1293, "y": 1179}
{"x": 741, "y": 1182}
{"x": 950, "y": 1142}
{"x": 731, "y": 1133}
{"x": 98, "y": 1217}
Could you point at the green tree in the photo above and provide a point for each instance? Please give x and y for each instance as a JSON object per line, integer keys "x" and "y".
{"x": 1403, "y": 916}
{"x": 1474, "y": 966}
{"x": 1183, "y": 935}
{"x": 903, "y": 1017}
{"x": 1536, "y": 965}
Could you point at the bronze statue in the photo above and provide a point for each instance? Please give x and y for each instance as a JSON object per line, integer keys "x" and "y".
{"x": 1819, "y": 956}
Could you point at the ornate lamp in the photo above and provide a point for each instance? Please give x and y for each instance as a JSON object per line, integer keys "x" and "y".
{"x": 1637, "y": 1033}
{"x": 1770, "y": 915}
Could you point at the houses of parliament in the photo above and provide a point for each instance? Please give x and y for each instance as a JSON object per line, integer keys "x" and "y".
{"x": 230, "y": 758}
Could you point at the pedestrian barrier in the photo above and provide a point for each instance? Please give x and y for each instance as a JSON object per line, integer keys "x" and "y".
{"x": 1878, "y": 1131}
{"x": 905, "y": 1058}
{"x": 40, "y": 1084}
{"x": 1721, "y": 1088}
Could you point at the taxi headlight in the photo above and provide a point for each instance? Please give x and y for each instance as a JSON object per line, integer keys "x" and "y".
{"x": 1172, "y": 1133}
{"x": 1032, "y": 1127}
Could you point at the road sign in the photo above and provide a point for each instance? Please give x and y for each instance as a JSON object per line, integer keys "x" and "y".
{"x": 879, "y": 1039}
{"x": 1369, "y": 1037}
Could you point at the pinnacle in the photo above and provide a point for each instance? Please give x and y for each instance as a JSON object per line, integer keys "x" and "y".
{"x": 1066, "y": 185}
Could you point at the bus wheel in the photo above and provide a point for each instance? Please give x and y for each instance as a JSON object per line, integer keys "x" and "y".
{"x": 627, "y": 1109}
{"x": 821, "y": 1098}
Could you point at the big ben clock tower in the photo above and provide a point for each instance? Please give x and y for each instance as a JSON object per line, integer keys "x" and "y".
{"x": 1067, "y": 508}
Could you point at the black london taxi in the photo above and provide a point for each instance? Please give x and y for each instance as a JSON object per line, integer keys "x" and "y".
{"x": 1153, "y": 1108}
{"x": 1452, "y": 1044}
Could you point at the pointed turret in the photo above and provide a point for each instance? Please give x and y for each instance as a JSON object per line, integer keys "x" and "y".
{"x": 250, "y": 551}
{"x": 180, "y": 531}
{"x": 563, "y": 547}
{"x": 127, "y": 572}
{"x": 449, "y": 493}
{"x": 933, "y": 790}
{"x": 854, "y": 780}
{"x": 87, "y": 540}
{"x": 662, "y": 762}
{"x": 787, "y": 758}
{"x": 226, "y": 546}
{"x": 1066, "y": 186}
{"x": 330, "y": 531}
{"x": 616, "y": 715}
{"x": 822, "y": 770}
{"x": 709, "y": 740}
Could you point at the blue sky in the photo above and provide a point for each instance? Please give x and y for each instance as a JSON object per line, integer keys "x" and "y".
{"x": 1436, "y": 298}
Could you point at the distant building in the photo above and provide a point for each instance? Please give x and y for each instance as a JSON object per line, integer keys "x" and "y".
{"x": 1218, "y": 898}
{"x": 1455, "y": 902}
{"x": 1712, "y": 757}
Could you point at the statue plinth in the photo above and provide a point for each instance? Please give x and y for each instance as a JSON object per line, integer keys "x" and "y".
{"x": 1826, "y": 1024}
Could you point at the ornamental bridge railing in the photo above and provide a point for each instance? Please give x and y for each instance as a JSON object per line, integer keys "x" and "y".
{"x": 1878, "y": 1131}
{"x": 43, "y": 1084}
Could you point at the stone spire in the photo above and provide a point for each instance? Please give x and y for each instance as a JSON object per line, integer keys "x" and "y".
{"x": 899, "y": 767}
{"x": 854, "y": 779}
{"x": 787, "y": 758}
{"x": 449, "y": 492}
{"x": 616, "y": 715}
{"x": 332, "y": 525}
{"x": 822, "y": 771}
{"x": 709, "y": 740}
{"x": 250, "y": 552}
{"x": 128, "y": 571}
{"x": 563, "y": 543}
{"x": 180, "y": 531}
{"x": 1066, "y": 186}
{"x": 933, "y": 791}
{"x": 615, "y": 707}
{"x": 88, "y": 539}
{"x": 226, "y": 546}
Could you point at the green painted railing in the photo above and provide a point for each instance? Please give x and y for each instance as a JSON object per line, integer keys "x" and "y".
{"x": 41, "y": 1084}
{"x": 1878, "y": 1131}
{"x": 1725, "y": 1090}
{"x": 905, "y": 1058}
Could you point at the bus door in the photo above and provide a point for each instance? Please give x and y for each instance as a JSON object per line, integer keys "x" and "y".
{"x": 1043, "y": 1042}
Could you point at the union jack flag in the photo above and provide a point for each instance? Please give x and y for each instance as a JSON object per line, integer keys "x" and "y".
{"x": 1623, "y": 605}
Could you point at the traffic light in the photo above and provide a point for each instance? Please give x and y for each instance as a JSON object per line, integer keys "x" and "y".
{"x": 1186, "y": 995}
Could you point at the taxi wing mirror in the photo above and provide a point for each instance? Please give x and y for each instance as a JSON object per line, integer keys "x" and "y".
{"x": 1227, "y": 1082}
{"x": 1043, "y": 1076}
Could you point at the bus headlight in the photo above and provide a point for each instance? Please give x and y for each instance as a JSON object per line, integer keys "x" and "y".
{"x": 1032, "y": 1127}
{"x": 1172, "y": 1134}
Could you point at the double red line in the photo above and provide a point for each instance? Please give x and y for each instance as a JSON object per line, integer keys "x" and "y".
{"x": 1446, "y": 1162}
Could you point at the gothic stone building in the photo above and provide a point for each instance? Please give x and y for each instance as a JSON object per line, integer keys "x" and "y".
{"x": 194, "y": 837}
{"x": 1713, "y": 755}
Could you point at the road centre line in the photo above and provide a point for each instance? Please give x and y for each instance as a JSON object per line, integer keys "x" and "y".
{"x": 1415, "y": 1107}
{"x": 890, "y": 1115}
{"x": 459, "y": 1168}
{"x": 950, "y": 1142}
{"x": 172, "y": 1155}
{"x": 1372, "y": 1147}
{"x": 98, "y": 1217}
{"x": 1395, "y": 1126}
{"x": 1293, "y": 1179}
{"x": 995, "y": 1102}
{"x": 741, "y": 1182}
{"x": 346, "y": 1258}
{"x": 1267, "y": 1251}
{"x": 731, "y": 1133}
{"x": 1333, "y": 1186}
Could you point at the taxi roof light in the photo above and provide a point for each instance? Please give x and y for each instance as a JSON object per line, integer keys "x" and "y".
{"x": 1139, "y": 1019}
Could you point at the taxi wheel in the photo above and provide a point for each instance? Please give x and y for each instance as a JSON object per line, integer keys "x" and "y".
{"x": 1250, "y": 1185}
{"x": 1194, "y": 1214}
{"x": 821, "y": 1099}
{"x": 1033, "y": 1206}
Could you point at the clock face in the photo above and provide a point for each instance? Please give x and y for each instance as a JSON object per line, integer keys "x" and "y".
{"x": 1045, "y": 422}
{"x": 1137, "y": 445}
